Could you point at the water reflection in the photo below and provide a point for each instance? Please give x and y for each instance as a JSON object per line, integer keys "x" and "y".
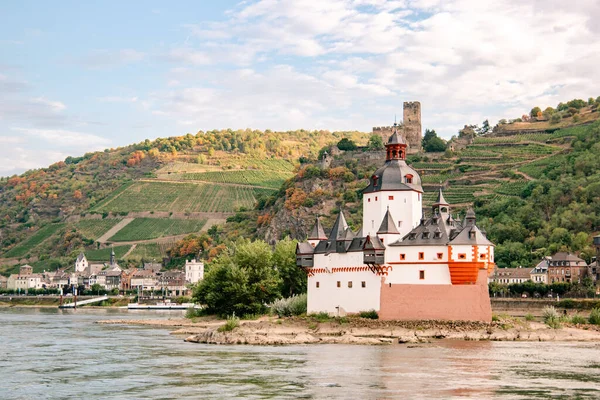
{"x": 47, "y": 353}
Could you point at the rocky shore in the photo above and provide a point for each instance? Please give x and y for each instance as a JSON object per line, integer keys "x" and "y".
{"x": 273, "y": 331}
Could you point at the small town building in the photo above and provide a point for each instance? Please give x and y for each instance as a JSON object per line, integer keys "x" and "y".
{"x": 113, "y": 279}
{"x": 566, "y": 267}
{"x": 173, "y": 283}
{"x": 81, "y": 263}
{"x": 509, "y": 276}
{"x": 539, "y": 274}
{"x": 144, "y": 280}
{"x": 594, "y": 267}
{"x": 194, "y": 271}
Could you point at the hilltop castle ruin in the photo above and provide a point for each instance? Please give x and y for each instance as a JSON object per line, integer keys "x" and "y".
{"x": 410, "y": 128}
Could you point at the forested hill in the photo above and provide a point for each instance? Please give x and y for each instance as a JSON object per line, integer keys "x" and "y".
{"x": 159, "y": 189}
{"x": 534, "y": 193}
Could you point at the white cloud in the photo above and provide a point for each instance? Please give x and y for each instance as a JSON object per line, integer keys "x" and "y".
{"x": 466, "y": 58}
{"x": 66, "y": 138}
{"x": 118, "y": 99}
{"x": 53, "y": 105}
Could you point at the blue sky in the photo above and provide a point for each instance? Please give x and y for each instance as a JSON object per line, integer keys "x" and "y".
{"x": 83, "y": 76}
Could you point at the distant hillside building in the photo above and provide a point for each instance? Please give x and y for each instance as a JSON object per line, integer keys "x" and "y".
{"x": 410, "y": 129}
{"x": 194, "y": 271}
{"x": 404, "y": 266}
{"x": 81, "y": 263}
{"x": 566, "y": 267}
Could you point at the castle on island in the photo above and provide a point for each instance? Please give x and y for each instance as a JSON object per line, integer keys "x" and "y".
{"x": 404, "y": 266}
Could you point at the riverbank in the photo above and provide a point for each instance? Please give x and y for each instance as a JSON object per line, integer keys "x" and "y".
{"x": 308, "y": 330}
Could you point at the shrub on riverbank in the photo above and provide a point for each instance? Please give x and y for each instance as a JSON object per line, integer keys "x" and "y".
{"x": 371, "y": 314}
{"x": 295, "y": 305}
{"x": 232, "y": 323}
{"x": 595, "y": 316}
{"x": 551, "y": 317}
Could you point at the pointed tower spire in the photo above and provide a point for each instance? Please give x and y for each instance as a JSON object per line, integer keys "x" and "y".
{"x": 112, "y": 255}
{"x": 317, "y": 232}
{"x": 339, "y": 227}
{"x": 387, "y": 225}
{"x": 440, "y": 206}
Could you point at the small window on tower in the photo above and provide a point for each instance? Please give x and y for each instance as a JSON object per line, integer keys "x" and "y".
{"x": 482, "y": 256}
{"x": 375, "y": 198}
{"x": 390, "y": 197}
{"x": 339, "y": 284}
{"x": 363, "y": 284}
{"x": 317, "y": 285}
{"x": 350, "y": 284}
{"x": 399, "y": 224}
{"x": 440, "y": 256}
{"x": 421, "y": 274}
{"x": 402, "y": 257}
{"x": 462, "y": 256}
{"x": 369, "y": 200}
{"x": 408, "y": 179}
{"x": 421, "y": 255}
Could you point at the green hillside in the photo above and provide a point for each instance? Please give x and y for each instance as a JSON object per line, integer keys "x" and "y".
{"x": 154, "y": 228}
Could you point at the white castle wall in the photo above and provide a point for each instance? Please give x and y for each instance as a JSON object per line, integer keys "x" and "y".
{"x": 328, "y": 297}
{"x": 435, "y": 274}
{"x": 406, "y": 207}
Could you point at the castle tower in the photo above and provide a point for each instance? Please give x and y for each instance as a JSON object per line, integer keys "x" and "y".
{"x": 395, "y": 186}
{"x": 412, "y": 124}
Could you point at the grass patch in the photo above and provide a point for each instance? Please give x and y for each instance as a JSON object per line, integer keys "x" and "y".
{"x": 232, "y": 323}
{"x": 529, "y": 317}
{"x": 578, "y": 319}
{"x": 595, "y": 316}
{"x": 192, "y": 313}
{"x": 94, "y": 228}
{"x": 153, "y": 228}
{"x": 146, "y": 251}
{"x": 551, "y": 318}
{"x": 321, "y": 317}
{"x": 104, "y": 254}
{"x": 33, "y": 241}
{"x": 371, "y": 314}
{"x": 181, "y": 197}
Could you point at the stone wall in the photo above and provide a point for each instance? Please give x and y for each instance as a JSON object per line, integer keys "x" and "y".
{"x": 410, "y": 128}
{"x": 437, "y": 302}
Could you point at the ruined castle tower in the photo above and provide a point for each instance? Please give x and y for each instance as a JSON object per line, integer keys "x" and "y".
{"x": 412, "y": 124}
{"x": 410, "y": 128}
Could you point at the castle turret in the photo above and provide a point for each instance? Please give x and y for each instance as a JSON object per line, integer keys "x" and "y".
{"x": 395, "y": 186}
{"x": 388, "y": 233}
{"x": 317, "y": 233}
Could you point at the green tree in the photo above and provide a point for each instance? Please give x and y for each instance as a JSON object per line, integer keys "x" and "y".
{"x": 375, "y": 142}
{"x": 346, "y": 144}
{"x": 240, "y": 281}
{"x": 534, "y": 112}
{"x": 293, "y": 279}
{"x": 431, "y": 142}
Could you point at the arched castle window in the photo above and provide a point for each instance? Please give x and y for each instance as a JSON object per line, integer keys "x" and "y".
{"x": 408, "y": 178}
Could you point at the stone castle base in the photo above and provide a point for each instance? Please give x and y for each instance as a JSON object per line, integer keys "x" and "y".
{"x": 437, "y": 302}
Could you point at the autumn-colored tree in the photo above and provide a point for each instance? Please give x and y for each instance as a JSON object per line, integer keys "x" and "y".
{"x": 77, "y": 194}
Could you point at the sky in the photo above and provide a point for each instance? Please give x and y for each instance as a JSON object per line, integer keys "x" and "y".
{"x": 80, "y": 76}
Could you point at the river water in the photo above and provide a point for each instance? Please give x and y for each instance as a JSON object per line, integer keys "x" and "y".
{"x": 60, "y": 354}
